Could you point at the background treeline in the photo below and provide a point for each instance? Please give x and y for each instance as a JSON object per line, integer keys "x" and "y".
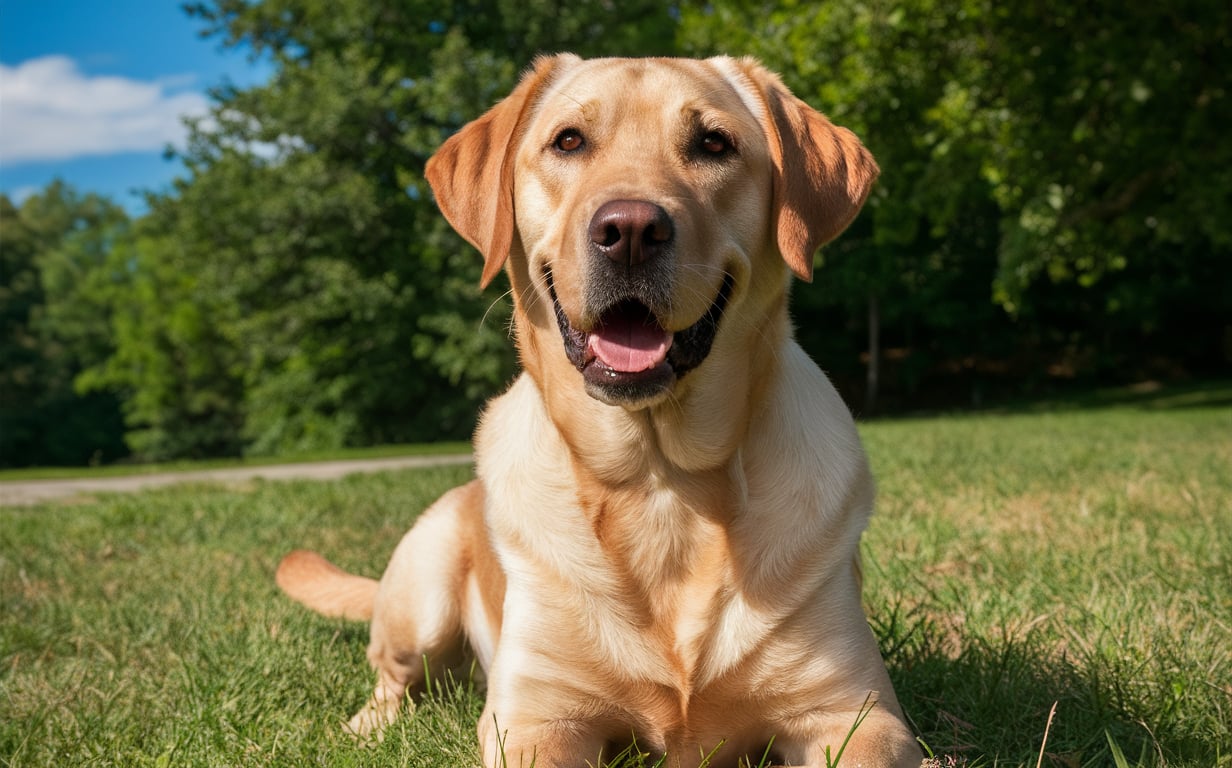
{"x": 1055, "y": 208}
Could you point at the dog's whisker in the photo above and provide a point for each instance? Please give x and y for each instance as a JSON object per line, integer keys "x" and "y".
{"x": 492, "y": 305}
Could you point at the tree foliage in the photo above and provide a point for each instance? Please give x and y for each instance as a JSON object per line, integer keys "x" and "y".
{"x": 172, "y": 366}
{"x": 297, "y": 289}
{"x": 1063, "y": 161}
{"x": 352, "y": 307}
{"x": 1053, "y": 203}
{"x": 53, "y": 325}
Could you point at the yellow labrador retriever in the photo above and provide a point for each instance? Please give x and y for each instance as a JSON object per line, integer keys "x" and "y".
{"x": 661, "y": 544}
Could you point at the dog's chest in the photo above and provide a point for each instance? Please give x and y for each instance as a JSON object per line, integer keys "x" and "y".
{"x": 674, "y": 560}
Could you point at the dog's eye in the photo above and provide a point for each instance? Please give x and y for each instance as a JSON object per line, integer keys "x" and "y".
{"x": 715, "y": 144}
{"x": 569, "y": 140}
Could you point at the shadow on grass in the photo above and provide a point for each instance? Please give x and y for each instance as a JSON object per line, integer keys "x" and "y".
{"x": 1146, "y": 396}
{"x": 981, "y": 701}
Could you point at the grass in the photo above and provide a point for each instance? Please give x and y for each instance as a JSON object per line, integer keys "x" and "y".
{"x": 1079, "y": 558}
{"x": 1082, "y": 558}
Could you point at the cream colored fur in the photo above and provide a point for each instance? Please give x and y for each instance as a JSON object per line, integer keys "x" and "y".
{"x": 680, "y": 568}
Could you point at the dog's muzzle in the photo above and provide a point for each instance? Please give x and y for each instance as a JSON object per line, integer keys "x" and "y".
{"x": 628, "y": 356}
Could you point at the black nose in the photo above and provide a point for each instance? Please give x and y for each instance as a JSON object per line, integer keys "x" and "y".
{"x": 630, "y": 232}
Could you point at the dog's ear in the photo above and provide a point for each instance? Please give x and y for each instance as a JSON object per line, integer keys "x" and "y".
{"x": 472, "y": 172}
{"x": 822, "y": 173}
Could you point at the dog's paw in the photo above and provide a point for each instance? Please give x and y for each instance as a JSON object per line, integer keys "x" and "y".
{"x": 369, "y": 723}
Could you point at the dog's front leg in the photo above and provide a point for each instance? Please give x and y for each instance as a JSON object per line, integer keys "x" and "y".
{"x": 875, "y": 738}
{"x": 421, "y": 611}
{"x": 519, "y": 743}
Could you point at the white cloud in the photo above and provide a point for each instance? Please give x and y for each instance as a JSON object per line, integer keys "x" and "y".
{"x": 19, "y": 195}
{"x": 49, "y": 110}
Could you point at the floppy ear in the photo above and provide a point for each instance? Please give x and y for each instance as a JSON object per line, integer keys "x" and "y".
{"x": 822, "y": 173}
{"x": 472, "y": 172}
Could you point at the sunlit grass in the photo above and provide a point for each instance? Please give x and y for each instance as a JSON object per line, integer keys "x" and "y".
{"x": 1016, "y": 561}
{"x": 1083, "y": 559}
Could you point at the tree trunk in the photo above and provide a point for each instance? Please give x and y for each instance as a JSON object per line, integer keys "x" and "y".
{"x": 874, "y": 354}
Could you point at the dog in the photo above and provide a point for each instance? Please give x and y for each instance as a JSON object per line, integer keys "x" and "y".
{"x": 661, "y": 543}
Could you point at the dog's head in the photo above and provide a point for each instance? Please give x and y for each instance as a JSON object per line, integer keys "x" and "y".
{"x": 640, "y": 204}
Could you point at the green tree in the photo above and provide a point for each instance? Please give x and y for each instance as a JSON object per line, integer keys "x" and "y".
{"x": 1104, "y": 133}
{"x": 175, "y": 372}
{"x": 913, "y": 273}
{"x": 55, "y": 326}
{"x": 1066, "y": 162}
{"x": 21, "y": 363}
{"x": 1104, "y": 138}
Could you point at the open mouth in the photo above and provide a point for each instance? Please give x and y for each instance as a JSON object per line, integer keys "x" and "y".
{"x": 629, "y": 356}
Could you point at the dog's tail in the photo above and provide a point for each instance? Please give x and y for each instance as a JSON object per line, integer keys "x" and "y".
{"x": 310, "y": 579}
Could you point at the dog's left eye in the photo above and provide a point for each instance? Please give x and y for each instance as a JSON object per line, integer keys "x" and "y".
{"x": 714, "y": 144}
{"x": 569, "y": 140}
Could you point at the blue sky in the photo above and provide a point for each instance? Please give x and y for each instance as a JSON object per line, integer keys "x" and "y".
{"x": 91, "y": 92}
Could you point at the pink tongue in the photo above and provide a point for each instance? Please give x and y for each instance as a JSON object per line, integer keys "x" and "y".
{"x": 629, "y": 346}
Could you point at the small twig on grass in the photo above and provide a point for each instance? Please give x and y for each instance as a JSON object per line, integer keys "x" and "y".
{"x": 1051, "y": 713}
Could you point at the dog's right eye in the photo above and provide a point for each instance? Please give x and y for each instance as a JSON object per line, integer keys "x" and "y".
{"x": 715, "y": 143}
{"x": 569, "y": 140}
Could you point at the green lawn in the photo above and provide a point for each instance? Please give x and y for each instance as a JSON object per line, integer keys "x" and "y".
{"x": 1082, "y": 558}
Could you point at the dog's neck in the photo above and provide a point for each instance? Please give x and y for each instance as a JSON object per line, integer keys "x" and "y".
{"x": 696, "y": 430}
{"x": 698, "y": 427}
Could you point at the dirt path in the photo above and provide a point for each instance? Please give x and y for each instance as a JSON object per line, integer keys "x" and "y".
{"x": 26, "y": 492}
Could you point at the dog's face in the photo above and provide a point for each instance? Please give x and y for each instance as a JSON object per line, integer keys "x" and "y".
{"x": 659, "y": 183}
{"x": 648, "y": 209}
